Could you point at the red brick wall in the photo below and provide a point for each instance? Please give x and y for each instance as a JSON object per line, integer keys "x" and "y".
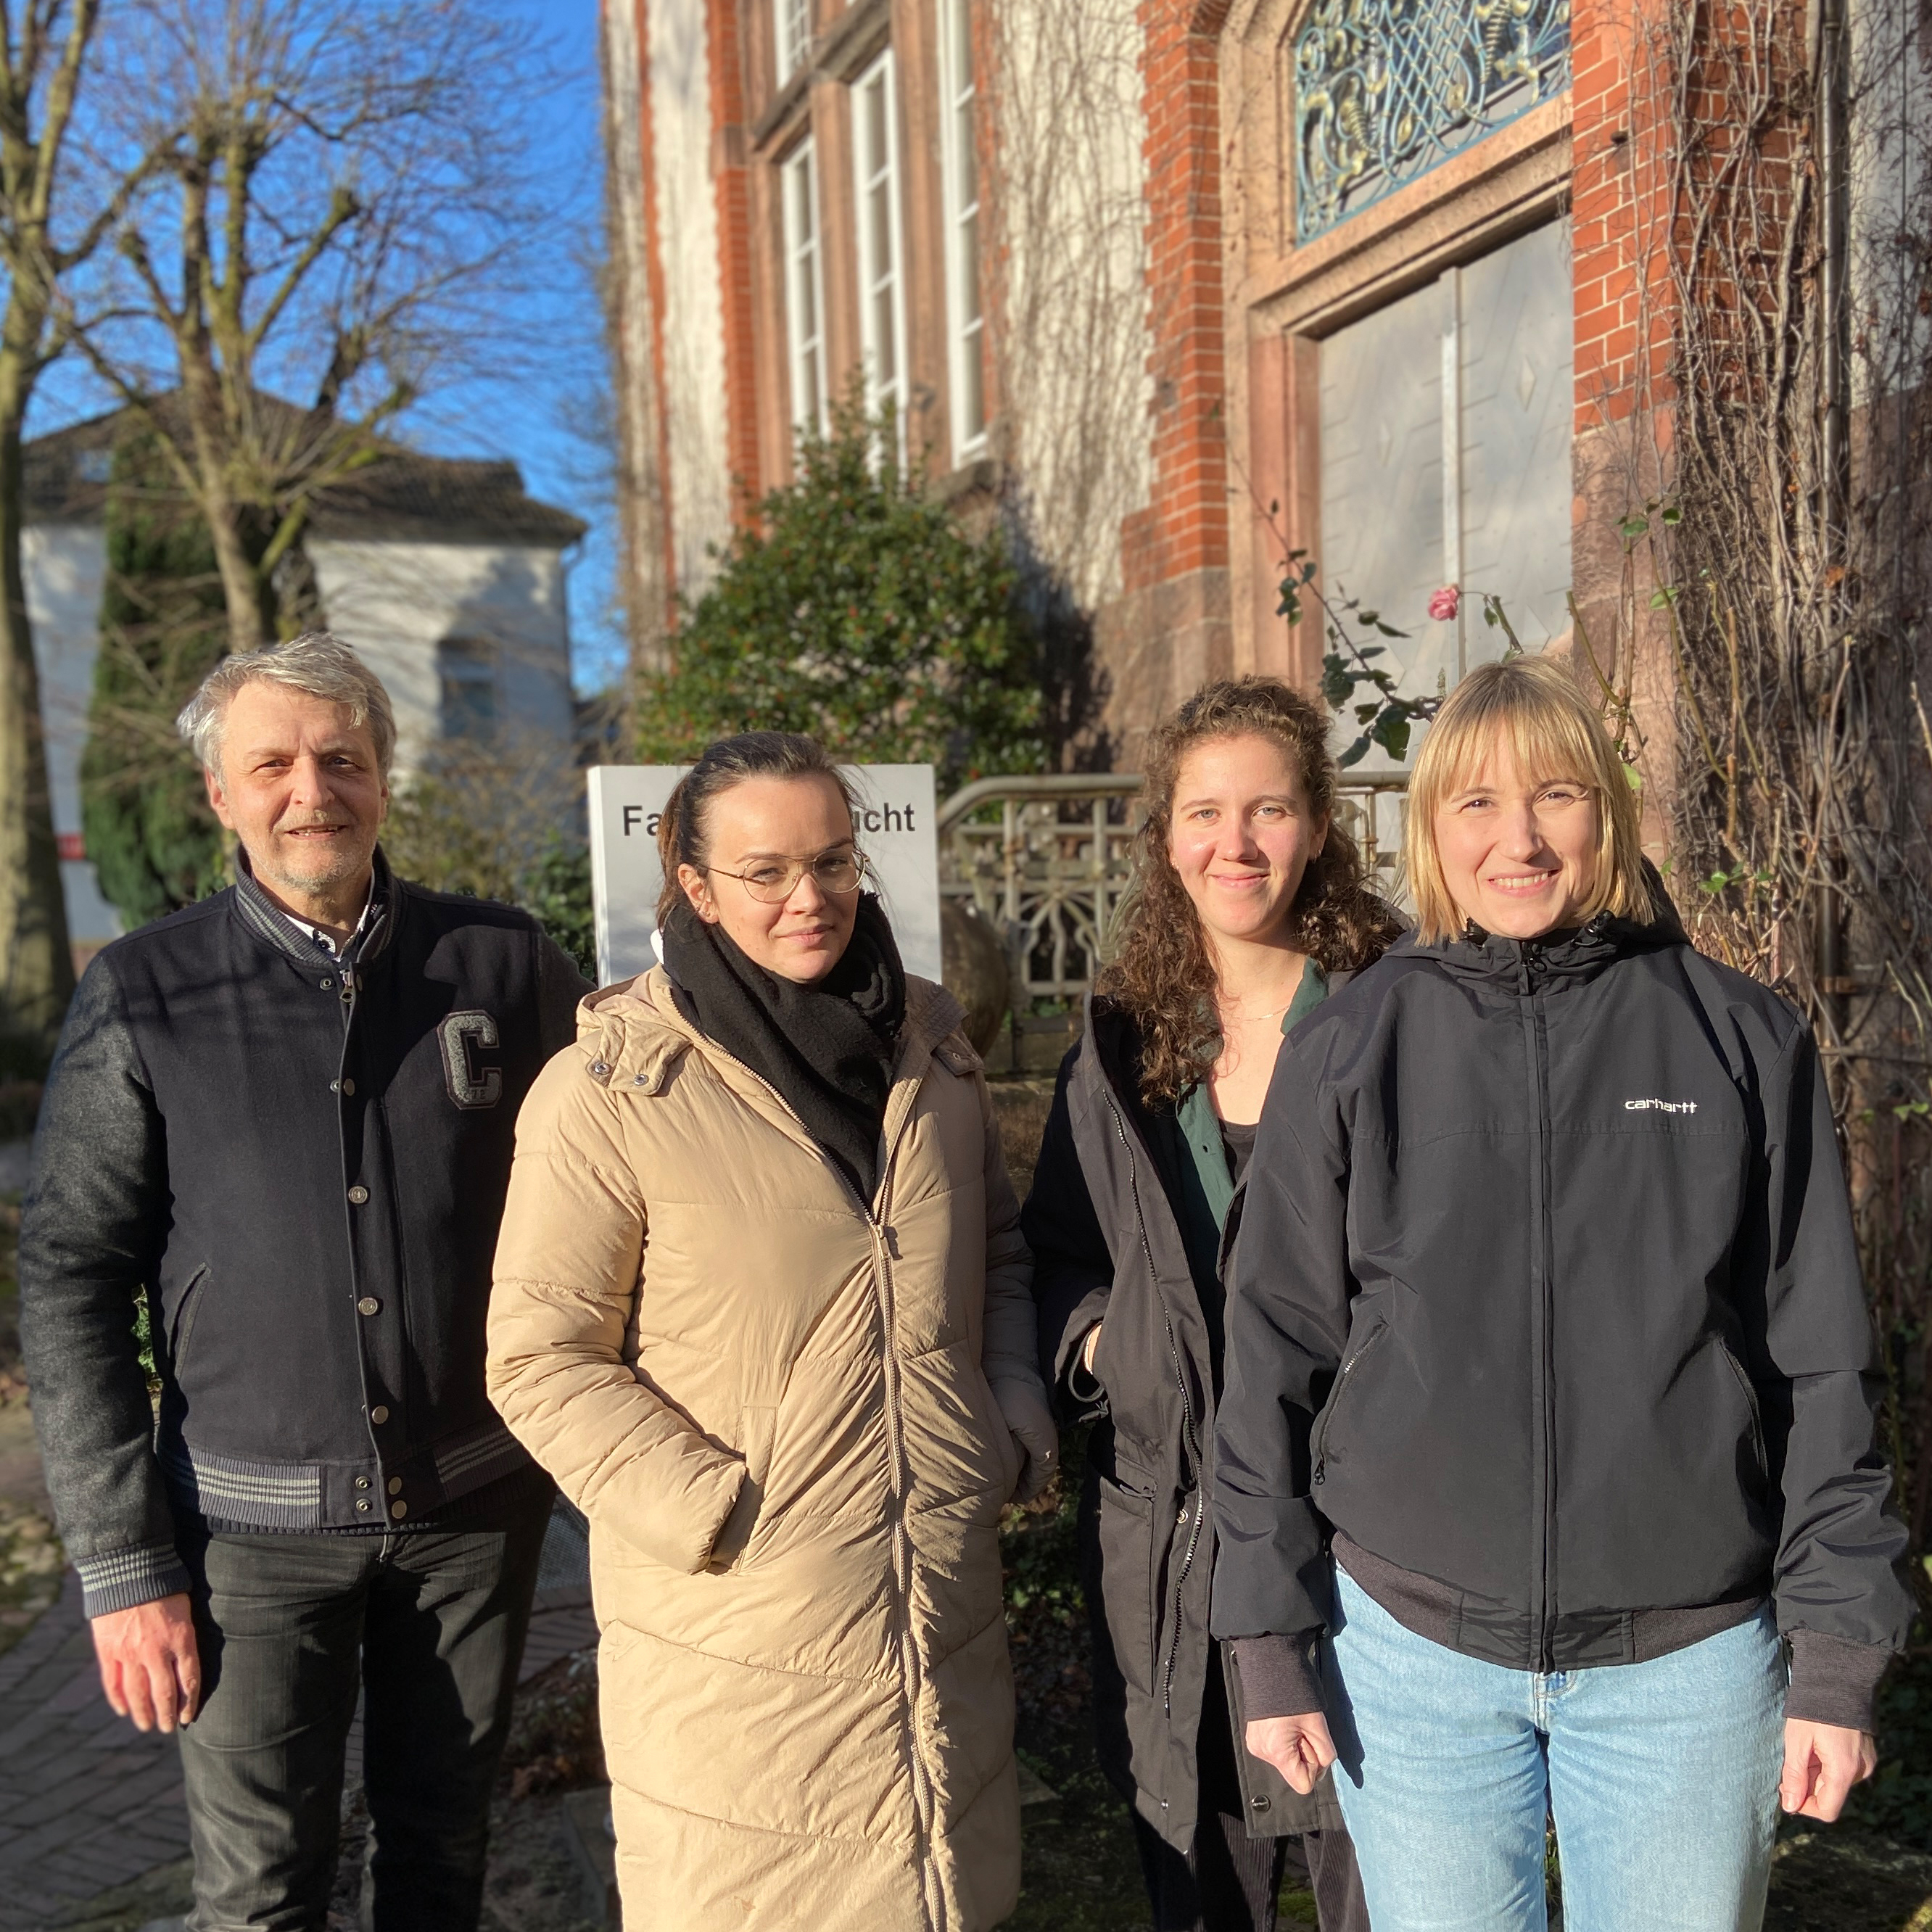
{"x": 1185, "y": 527}
{"x": 1623, "y": 297}
{"x": 726, "y": 51}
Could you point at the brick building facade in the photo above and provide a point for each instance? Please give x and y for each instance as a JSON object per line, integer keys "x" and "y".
{"x": 1180, "y": 285}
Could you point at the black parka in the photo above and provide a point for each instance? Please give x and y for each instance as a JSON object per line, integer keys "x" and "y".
{"x": 1104, "y": 1220}
{"x": 1546, "y": 1292}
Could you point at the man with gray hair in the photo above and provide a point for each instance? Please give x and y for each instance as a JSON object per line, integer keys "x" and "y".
{"x": 285, "y": 1116}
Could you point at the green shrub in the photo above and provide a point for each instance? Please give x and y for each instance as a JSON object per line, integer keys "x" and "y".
{"x": 1898, "y": 1802}
{"x": 558, "y": 893}
{"x": 856, "y": 609}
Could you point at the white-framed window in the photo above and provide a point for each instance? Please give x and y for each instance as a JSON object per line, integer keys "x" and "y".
{"x": 470, "y": 692}
{"x": 805, "y": 286}
{"x": 875, "y": 180}
{"x": 793, "y": 20}
{"x": 965, "y": 318}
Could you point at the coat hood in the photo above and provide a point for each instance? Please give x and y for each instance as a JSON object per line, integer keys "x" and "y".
{"x": 1574, "y": 955}
{"x": 634, "y": 1032}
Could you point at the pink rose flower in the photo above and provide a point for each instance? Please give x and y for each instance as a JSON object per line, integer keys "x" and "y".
{"x": 1443, "y": 605}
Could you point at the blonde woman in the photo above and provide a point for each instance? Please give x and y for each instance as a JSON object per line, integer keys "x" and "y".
{"x": 761, "y": 1308}
{"x": 1550, "y": 1381}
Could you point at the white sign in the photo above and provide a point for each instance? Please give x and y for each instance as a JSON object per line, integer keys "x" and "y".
{"x": 898, "y": 828}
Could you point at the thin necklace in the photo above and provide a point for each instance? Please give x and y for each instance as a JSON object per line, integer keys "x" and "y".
{"x": 1244, "y": 1018}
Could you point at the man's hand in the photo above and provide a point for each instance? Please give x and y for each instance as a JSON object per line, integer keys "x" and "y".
{"x": 1300, "y": 1748}
{"x": 1822, "y": 1763}
{"x": 1088, "y": 1347}
{"x": 150, "y": 1667}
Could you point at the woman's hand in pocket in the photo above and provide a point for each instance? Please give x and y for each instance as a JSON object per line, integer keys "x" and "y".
{"x": 1300, "y": 1748}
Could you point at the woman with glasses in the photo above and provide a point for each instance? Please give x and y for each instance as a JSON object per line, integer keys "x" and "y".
{"x": 763, "y": 1309}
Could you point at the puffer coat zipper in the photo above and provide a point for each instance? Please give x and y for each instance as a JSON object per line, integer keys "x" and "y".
{"x": 900, "y": 1477}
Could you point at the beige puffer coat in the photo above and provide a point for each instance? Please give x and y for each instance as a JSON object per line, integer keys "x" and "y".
{"x": 791, "y": 1425}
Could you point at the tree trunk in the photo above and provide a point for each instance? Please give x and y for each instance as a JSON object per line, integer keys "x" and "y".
{"x": 36, "y": 961}
{"x": 251, "y": 621}
{"x": 251, "y": 601}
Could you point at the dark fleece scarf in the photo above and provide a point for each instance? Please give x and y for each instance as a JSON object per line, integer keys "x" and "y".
{"x": 827, "y": 1049}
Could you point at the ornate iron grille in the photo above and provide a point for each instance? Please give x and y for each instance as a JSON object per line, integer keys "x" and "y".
{"x": 1046, "y": 860}
{"x": 1385, "y": 90}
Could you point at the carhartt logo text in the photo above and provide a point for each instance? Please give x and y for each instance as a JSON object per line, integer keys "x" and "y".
{"x": 1660, "y": 1106}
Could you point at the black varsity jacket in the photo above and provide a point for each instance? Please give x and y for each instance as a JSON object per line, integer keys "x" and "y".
{"x": 303, "y": 1162}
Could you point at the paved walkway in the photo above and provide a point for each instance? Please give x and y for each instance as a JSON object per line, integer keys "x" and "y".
{"x": 87, "y": 1802}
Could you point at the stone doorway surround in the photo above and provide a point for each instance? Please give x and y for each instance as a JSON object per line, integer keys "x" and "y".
{"x": 1283, "y": 299}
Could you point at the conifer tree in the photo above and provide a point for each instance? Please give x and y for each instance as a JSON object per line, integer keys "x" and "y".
{"x": 154, "y": 840}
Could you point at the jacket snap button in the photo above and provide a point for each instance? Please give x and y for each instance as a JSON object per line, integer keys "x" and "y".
{"x": 335, "y": 1086}
{"x": 1259, "y": 1804}
{"x": 399, "y": 1510}
{"x": 358, "y": 1194}
{"x": 361, "y": 1482}
{"x": 378, "y": 1414}
{"x": 362, "y": 1502}
{"x": 368, "y": 1305}
{"x": 349, "y": 1087}
{"x": 599, "y": 1067}
{"x": 395, "y": 1485}
{"x": 327, "y": 985}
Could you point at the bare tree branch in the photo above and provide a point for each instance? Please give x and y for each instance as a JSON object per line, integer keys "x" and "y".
{"x": 335, "y": 183}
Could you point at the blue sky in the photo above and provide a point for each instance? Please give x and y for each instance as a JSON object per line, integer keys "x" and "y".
{"x": 541, "y": 411}
{"x": 540, "y": 422}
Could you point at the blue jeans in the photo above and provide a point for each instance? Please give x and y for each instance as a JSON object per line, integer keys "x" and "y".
{"x": 1662, "y": 1777}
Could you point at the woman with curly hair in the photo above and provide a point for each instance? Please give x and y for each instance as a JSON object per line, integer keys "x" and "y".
{"x": 1248, "y": 906}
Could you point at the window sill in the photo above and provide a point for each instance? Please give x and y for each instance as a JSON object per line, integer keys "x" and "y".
{"x": 978, "y": 476}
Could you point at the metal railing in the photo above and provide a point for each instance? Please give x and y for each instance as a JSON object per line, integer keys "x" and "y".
{"x": 1044, "y": 860}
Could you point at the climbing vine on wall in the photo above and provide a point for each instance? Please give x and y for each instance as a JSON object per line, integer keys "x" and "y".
{"x": 1790, "y": 544}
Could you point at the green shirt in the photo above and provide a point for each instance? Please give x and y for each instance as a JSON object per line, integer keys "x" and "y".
{"x": 1208, "y": 1189}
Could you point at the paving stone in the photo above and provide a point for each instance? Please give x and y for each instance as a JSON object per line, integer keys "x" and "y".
{"x": 91, "y": 1803}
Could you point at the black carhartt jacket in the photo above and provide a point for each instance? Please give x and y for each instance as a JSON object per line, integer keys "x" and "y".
{"x": 304, "y": 1163}
{"x": 1104, "y": 1220}
{"x": 1545, "y": 1299}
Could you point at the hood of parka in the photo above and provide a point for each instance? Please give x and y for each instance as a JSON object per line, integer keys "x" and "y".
{"x": 635, "y": 1031}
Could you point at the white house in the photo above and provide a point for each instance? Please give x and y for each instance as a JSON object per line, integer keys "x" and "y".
{"x": 443, "y": 572}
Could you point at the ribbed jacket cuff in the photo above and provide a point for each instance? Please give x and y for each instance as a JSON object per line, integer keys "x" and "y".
{"x": 1834, "y": 1680}
{"x": 124, "y": 1578}
{"x": 1278, "y": 1676}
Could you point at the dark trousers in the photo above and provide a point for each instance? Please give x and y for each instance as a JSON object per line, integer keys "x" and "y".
{"x": 1229, "y": 1881}
{"x": 432, "y": 1623}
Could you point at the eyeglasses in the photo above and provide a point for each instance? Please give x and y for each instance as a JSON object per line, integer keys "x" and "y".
{"x": 773, "y": 881}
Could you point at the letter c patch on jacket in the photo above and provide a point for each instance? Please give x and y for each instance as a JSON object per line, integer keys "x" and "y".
{"x": 463, "y": 1036}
